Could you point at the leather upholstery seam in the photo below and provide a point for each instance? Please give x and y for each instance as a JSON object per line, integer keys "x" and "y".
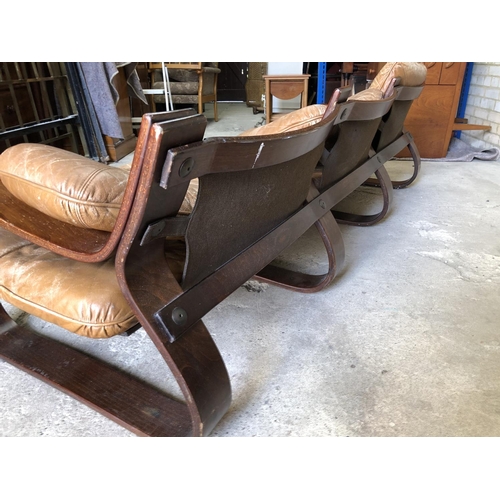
{"x": 10, "y": 293}
{"x": 110, "y": 204}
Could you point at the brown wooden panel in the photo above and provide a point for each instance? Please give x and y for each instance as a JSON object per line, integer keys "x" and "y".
{"x": 433, "y": 72}
{"x": 428, "y": 121}
{"x": 450, "y": 73}
{"x": 287, "y": 90}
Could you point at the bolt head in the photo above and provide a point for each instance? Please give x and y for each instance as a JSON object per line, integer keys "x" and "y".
{"x": 179, "y": 316}
{"x": 186, "y": 167}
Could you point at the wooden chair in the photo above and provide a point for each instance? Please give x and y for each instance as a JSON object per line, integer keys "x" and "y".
{"x": 189, "y": 83}
{"x": 408, "y": 82}
{"x": 401, "y": 84}
{"x": 349, "y": 152}
{"x": 346, "y": 163}
{"x": 259, "y": 187}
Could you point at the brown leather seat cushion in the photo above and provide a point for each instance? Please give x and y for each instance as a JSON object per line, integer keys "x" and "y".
{"x": 67, "y": 186}
{"x": 80, "y": 297}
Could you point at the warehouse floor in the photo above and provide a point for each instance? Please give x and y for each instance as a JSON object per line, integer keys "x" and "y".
{"x": 404, "y": 342}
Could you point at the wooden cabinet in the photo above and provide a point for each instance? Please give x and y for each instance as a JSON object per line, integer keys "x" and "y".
{"x": 431, "y": 119}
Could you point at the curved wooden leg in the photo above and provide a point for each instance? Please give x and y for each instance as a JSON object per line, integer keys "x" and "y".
{"x": 132, "y": 403}
{"x": 194, "y": 359}
{"x": 309, "y": 283}
{"x": 416, "y": 166}
{"x": 367, "y": 220}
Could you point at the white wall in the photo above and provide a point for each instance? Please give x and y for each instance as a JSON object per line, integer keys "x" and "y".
{"x": 285, "y": 68}
{"x": 483, "y": 105}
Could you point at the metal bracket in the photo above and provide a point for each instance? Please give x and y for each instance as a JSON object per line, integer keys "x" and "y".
{"x": 169, "y": 226}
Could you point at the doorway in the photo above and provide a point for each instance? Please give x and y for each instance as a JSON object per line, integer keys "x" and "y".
{"x": 231, "y": 81}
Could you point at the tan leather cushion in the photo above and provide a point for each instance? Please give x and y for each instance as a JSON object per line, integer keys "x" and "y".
{"x": 80, "y": 297}
{"x": 412, "y": 74}
{"x": 67, "y": 186}
{"x": 64, "y": 185}
{"x": 296, "y": 120}
{"x": 367, "y": 95}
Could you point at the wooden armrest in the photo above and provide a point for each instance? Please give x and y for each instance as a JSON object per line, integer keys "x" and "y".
{"x": 60, "y": 237}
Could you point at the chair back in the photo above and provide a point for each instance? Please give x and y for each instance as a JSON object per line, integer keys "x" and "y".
{"x": 350, "y": 141}
{"x": 247, "y": 187}
{"x": 407, "y": 79}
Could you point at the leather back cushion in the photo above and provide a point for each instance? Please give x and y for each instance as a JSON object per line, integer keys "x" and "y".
{"x": 69, "y": 187}
{"x": 64, "y": 185}
{"x": 296, "y": 120}
{"x": 412, "y": 74}
{"x": 370, "y": 94}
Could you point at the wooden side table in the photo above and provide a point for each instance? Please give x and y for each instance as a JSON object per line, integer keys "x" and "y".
{"x": 284, "y": 87}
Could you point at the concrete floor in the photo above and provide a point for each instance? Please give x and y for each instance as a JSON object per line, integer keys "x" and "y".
{"x": 405, "y": 342}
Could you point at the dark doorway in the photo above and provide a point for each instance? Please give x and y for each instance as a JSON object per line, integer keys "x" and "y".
{"x": 231, "y": 81}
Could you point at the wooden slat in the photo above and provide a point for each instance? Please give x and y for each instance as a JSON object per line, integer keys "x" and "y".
{"x": 470, "y": 126}
{"x": 33, "y": 225}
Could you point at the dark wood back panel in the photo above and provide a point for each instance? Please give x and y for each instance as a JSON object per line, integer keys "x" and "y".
{"x": 238, "y": 208}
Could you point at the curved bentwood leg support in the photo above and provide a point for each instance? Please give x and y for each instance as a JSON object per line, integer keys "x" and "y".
{"x": 416, "y": 165}
{"x": 331, "y": 236}
{"x": 148, "y": 284}
{"x": 117, "y": 395}
{"x": 193, "y": 358}
{"x": 410, "y": 143}
{"x": 367, "y": 220}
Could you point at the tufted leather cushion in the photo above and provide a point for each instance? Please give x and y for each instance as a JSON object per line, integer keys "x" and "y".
{"x": 367, "y": 95}
{"x": 412, "y": 74}
{"x": 64, "y": 185}
{"x": 296, "y": 120}
{"x": 67, "y": 186}
{"x": 56, "y": 289}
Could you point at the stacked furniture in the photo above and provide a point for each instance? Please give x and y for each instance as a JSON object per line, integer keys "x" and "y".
{"x": 189, "y": 83}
